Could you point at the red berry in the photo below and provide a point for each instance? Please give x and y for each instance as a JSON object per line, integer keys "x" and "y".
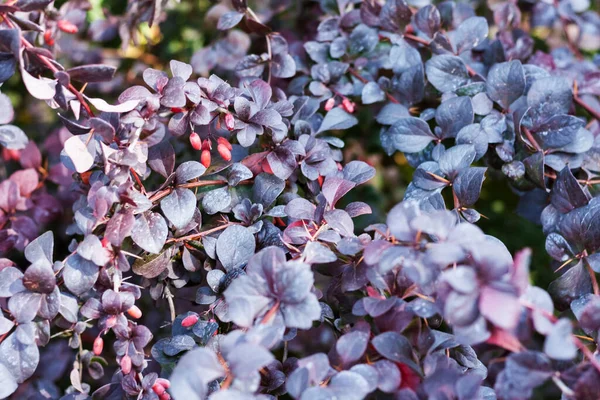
{"x": 158, "y": 389}
{"x": 205, "y": 158}
{"x": 98, "y": 346}
{"x": 67, "y": 27}
{"x": 189, "y": 321}
{"x": 329, "y": 104}
{"x": 320, "y": 179}
{"x": 224, "y": 152}
{"x": 348, "y": 105}
{"x": 224, "y": 142}
{"x": 48, "y": 39}
{"x": 164, "y": 382}
{"x": 176, "y": 109}
{"x": 195, "y": 141}
{"x": 206, "y": 144}
{"x": 126, "y": 364}
{"x": 135, "y": 312}
{"x": 229, "y": 122}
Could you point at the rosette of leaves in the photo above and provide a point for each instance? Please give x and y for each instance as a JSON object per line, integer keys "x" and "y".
{"x": 273, "y": 289}
{"x": 235, "y": 359}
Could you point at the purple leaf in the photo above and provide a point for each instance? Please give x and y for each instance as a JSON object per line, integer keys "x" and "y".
{"x": 179, "y": 207}
{"x": 12, "y": 137}
{"x": 150, "y": 232}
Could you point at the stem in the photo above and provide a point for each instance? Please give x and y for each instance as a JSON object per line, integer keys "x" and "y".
{"x": 531, "y": 139}
{"x": 417, "y": 39}
{"x": 562, "y": 386}
{"x": 4, "y": 336}
{"x": 200, "y": 234}
{"x": 190, "y": 185}
{"x": 470, "y": 70}
{"x": 169, "y": 297}
{"x": 364, "y": 80}
{"x": 586, "y": 107}
{"x": 227, "y": 382}
{"x": 285, "y": 352}
{"x": 137, "y": 179}
{"x": 270, "y": 314}
{"x": 54, "y": 69}
{"x": 165, "y": 192}
{"x": 587, "y": 352}
{"x": 593, "y": 278}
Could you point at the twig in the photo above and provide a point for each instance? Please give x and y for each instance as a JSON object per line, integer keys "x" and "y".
{"x": 593, "y": 278}
{"x": 417, "y": 39}
{"x": 200, "y": 234}
{"x": 52, "y": 68}
{"x": 169, "y": 297}
{"x": 531, "y": 139}
{"x": 189, "y": 185}
{"x": 586, "y": 107}
{"x": 364, "y": 80}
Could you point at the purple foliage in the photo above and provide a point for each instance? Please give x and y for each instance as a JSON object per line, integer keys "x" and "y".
{"x": 252, "y": 224}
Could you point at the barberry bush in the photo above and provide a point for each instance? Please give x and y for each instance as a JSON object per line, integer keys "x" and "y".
{"x": 293, "y": 208}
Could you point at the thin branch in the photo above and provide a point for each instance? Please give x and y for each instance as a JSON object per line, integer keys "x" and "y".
{"x": 593, "y": 278}
{"x": 417, "y": 39}
{"x": 169, "y": 297}
{"x": 201, "y": 234}
{"x": 586, "y": 107}
{"x": 54, "y": 69}
{"x": 531, "y": 139}
{"x": 355, "y": 73}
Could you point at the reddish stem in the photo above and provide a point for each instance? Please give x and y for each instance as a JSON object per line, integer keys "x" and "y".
{"x": 52, "y": 68}
{"x": 200, "y": 234}
{"x": 364, "y": 80}
{"x": 586, "y": 107}
{"x": 270, "y": 314}
{"x": 417, "y": 39}
{"x": 531, "y": 139}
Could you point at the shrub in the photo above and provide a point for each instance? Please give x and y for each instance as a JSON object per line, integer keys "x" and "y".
{"x": 199, "y": 236}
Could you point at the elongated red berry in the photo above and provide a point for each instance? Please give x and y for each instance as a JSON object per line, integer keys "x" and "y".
{"x": 348, "y": 105}
{"x": 126, "y": 364}
{"x": 67, "y": 27}
{"x": 224, "y": 142}
{"x": 176, "y": 109}
{"x": 329, "y": 104}
{"x": 135, "y": 312}
{"x": 206, "y": 144}
{"x": 164, "y": 382}
{"x": 98, "y": 346}
{"x": 190, "y": 320}
{"x": 205, "y": 158}
{"x": 195, "y": 141}
{"x": 224, "y": 152}
{"x": 158, "y": 389}
{"x": 48, "y": 39}
{"x": 229, "y": 122}
{"x": 320, "y": 179}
